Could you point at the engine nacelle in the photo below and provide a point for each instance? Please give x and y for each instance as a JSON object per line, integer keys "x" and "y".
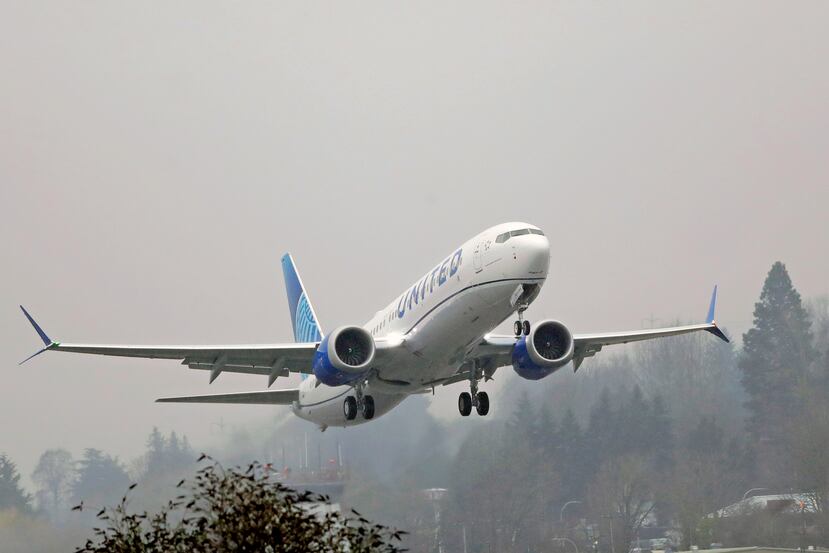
{"x": 548, "y": 348}
{"x": 344, "y": 356}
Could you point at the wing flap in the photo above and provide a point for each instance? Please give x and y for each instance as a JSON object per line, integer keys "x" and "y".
{"x": 265, "y": 397}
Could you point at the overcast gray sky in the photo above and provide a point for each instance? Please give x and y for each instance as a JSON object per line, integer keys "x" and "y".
{"x": 156, "y": 160}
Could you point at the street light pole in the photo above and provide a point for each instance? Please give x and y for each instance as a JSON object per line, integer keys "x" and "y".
{"x": 561, "y": 513}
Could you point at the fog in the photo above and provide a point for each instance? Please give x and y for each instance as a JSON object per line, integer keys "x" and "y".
{"x": 157, "y": 160}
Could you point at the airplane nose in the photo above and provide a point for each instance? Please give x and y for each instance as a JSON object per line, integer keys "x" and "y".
{"x": 533, "y": 255}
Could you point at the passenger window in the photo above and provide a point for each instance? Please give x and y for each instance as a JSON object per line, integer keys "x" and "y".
{"x": 502, "y": 238}
{"x": 520, "y": 232}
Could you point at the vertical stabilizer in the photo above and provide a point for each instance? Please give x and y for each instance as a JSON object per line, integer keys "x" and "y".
{"x": 303, "y": 318}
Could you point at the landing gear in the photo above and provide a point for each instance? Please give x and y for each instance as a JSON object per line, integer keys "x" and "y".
{"x": 368, "y": 407}
{"x": 473, "y": 398}
{"x": 521, "y": 326}
{"x": 483, "y": 404}
{"x": 358, "y": 403}
{"x": 465, "y": 404}
{"x": 350, "y": 408}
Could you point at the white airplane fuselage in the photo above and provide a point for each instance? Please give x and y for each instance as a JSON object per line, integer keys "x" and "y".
{"x": 439, "y": 318}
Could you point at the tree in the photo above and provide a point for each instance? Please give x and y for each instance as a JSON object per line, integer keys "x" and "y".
{"x": 100, "y": 480}
{"x": 53, "y": 475}
{"x": 12, "y": 495}
{"x": 238, "y": 510}
{"x": 777, "y": 353}
{"x": 623, "y": 490}
{"x": 694, "y": 374}
{"x": 570, "y": 455}
{"x": 167, "y": 456}
{"x": 660, "y": 432}
{"x": 707, "y": 475}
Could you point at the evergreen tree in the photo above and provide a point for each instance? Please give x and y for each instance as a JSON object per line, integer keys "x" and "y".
{"x": 167, "y": 456}
{"x": 12, "y": 495}
{"x": 523, "y": 421}
{"x": 634, "y": 421}
{"x": 546, "y": 435}
{"x": 661, "y": 436}
{"x": 777, "y": 353}
{"x": 101, "y": 479}
{"x": 570, "y": 452}
{"x": 156, "y": 446}
{"x": 600, "y": 438}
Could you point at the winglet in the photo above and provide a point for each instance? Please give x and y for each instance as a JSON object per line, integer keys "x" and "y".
{"x": 710, "y": 319}
{"x": 46, "y": 340}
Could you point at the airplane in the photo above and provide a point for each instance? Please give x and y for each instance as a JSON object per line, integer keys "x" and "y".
{"x": 436, "y": 333}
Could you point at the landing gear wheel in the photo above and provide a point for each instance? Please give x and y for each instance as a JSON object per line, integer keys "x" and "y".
{"x": 350, "y": 408}
{"x": 516, "y": 327}
{"x": 483, "y": 404}
{"x": 526, "y": 328}
{"x": 465, "y": 404}
{"x": 368, "y": 407}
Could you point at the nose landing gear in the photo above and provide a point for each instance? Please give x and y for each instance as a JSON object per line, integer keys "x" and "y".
{"x": 521, "y": 326}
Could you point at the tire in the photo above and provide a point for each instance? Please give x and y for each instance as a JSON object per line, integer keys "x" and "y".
{"x": 368, "y": 408}
{"x": 516, "y": 327}
{"x": 350, "y": 408}
{"x": 526, "y": 328}
{"x": 483, "y": 404}
{"x": 465, "y": 404}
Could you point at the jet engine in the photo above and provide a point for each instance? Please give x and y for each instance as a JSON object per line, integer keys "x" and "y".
{"x": 548, "y": 347}
{"x": 343, "y": 356}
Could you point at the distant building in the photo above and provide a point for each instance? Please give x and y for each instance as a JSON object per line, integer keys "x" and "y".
{"x": 777, "y": 503}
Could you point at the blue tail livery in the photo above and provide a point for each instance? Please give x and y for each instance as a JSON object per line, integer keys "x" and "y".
{"x": 303, "y": 318}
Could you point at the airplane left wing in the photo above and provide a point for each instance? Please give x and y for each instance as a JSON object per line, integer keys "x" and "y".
{"x": 274, "y": 360}
{"x": 496, "y": 351}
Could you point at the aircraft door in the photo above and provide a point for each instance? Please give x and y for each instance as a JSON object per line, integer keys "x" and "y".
{"x": 476, "y": 258}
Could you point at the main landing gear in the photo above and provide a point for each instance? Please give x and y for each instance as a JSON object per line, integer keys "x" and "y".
{"x": 360, "y": 404}
{"x": 473, "y": 398}
{"x": 521, "y": 326}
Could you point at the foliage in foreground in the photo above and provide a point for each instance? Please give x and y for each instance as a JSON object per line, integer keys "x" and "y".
{"x": 237, "y": 510}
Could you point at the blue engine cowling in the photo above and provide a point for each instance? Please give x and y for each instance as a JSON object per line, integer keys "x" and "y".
{"x": 548, "y": 348}
{"x": 343, "y": 356}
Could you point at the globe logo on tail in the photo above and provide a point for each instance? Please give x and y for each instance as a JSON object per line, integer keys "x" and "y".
{"x": 306, "y": 329}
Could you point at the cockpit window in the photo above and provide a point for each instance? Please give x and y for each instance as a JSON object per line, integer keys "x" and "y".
{"x": 506, "y": 236}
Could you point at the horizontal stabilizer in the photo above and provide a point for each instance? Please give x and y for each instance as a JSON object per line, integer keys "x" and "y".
{"x": 265, "y": 397}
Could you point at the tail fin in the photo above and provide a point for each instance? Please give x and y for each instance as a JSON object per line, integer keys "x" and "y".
{"x": 303, "y": 318}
